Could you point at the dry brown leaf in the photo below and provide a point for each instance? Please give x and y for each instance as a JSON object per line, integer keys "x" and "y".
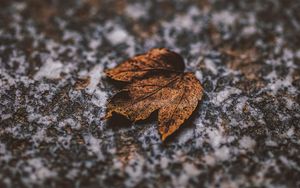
{"x": 156, "y": 82}
{"x": 156, "y": 60}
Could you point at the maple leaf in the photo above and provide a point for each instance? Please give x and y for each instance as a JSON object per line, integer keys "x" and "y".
{"x": 156, "y": 81}
{"x": 156, "y": 60}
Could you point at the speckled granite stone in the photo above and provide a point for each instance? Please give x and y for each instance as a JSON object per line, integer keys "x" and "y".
{"x": 245, "y": 132}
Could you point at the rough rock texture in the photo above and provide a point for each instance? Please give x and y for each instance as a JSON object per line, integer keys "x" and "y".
{"x": 245, "y": 132}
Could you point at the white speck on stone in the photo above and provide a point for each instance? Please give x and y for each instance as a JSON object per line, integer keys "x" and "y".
{"x": 75, "y": 36}
{"x": 95, "y": 43}
{"x": 90, "y": 56}
{"x": 135, "y": 171}
{"x": 249, "y": 30}
{"x": 117, "y": 164}
{"x": 184, "y": 21}
{"x": 51, "y": 70}
{"x": 20, "y": 6}
{"x": 225, "y": 94}
{"x": 290, "y": 103}
{"x": 47, "y": 120}
{"x": 135, "y": 11}
{"x": 247, "y": 143}
{"x": 65, "y": 141}
{"x": 271, "y": 143}
{"x": 288, "y": 54}
{"x": 290, "y": 132}
{"x": 280, "y": 83}
{"x": 209, "y": 160}
{"x": 95, "y": 75}
{"x": 211, "y": 66}
{"x": 73, "y": 173}
{"x": 298, "y": 54}
{"x": 289, "y": 163}
{"x": 224, "y": 17}
{"x": 199, "y": 75}
{"x": 6, "y": 80}
{"x": 71, "y": 122}
{"x": 216, "y": 137}
{"x": 117, "y": 36}
{"x": 241, "y": 103}
{"x": 164, "y": 162}
{"x": 185, "y": 136}
{"x": 39, "y": 171}
{"x": 99, "y": 98}
{"x": 222, "y": 153}
{"x": 93, "y": 144}
{"x": 5, "y": 116}
{"x": 2, "y": 148}
{"x": 190, "y": 169}
{"x": 181, "y": 181}
{"x": 272, "y": 75}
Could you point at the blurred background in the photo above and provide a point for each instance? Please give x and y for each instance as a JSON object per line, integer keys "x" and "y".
{"x": 53, "y": 92}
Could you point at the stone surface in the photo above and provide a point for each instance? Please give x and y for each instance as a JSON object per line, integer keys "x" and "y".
{"x": 245, "y": 132}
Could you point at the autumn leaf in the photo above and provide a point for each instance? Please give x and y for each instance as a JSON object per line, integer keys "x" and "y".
{"x": 156, "y": 81}
{"x": 156, "y": 60}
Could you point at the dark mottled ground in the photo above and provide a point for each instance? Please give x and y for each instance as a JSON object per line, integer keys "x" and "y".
{"x": 245, "y": 132}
